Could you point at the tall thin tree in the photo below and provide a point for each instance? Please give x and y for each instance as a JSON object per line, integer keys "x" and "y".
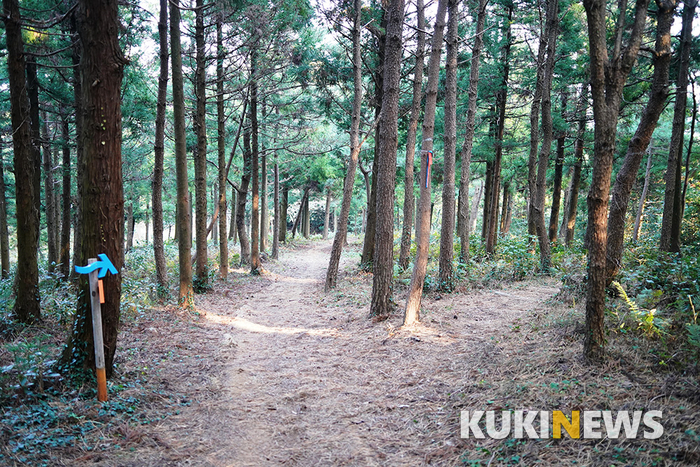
{"x": 102, "y": 65}
{"x": 342, "y": 231}
{"x": 26, "y": 307}
{"x": 420, "y": 265}
{"x": 381, "y": 305}
{"x": 609, "y": 72}
{"x": 409, "y": 197}
{"x": 464, "y": 222}
{"x": 200, "y": 155}
{"x": 671, "y": 221}
{"x": 159, "y": 153}
{"x": 627, "y": 174}
{"x": 221, "y": 146}
{"x": 184, "y": 237}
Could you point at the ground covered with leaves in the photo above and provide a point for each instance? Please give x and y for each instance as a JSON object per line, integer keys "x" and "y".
{"x": 270, "y": 370}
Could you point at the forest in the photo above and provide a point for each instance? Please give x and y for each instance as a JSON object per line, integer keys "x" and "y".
{"x": 337, "y": 228}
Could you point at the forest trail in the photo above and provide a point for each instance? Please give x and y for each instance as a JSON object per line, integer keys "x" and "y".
{"x": 298, "y": 377}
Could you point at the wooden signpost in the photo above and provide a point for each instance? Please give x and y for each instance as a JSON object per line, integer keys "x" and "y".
{"x": 97, "y": 297}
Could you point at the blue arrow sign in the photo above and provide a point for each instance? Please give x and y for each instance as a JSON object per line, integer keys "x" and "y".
{"x": 104, "y": 266}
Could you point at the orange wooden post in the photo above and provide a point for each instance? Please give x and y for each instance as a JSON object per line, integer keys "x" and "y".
{"x": 96, "y": 298}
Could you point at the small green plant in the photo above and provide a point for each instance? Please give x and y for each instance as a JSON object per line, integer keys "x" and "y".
{"x": 647, "y": 320}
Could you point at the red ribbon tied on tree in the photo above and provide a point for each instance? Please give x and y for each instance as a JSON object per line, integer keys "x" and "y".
{"x": 429, "y": 162}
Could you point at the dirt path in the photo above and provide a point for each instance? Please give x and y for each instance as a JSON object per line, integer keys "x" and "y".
{"x": 298, "y": 377}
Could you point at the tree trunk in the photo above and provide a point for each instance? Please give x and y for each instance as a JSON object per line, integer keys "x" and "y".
{"x": 327, "y": 216}
{"x": 200, "y": 155}
{"x": 33, "y": 93}
{"x": 465, "y": 217}
{"x": 551, "y": 31}
{"x": 501, "y": 102}
{"x": 78, "y": 100}
{"x": 284, "y": 204}
{"x": 367, "y": 259}
{"x": 242, "y": 198}
{"x": 558, "y": 175}
{"x": 50, "y": 200}
{"x": 608, "y": 77}
{"x": 689, "y": 152}
{"x": 534, "y": 132}
{"x": 671, "y": 221}
{"x": 27, "y": 308}
{"x": 572, "y": 202}
{"x": 420, "y": 265}
{"x": 488, "y": 187}
{"x": 264, "y": 214}
{"x": 381, "y": 305}
{"x": 64, "y": 246}
{"x": 299, "y": 221}
{"x": 4, "y": 234}
{"x": 506, "y": 205}
{"x": 102, "y": 197}
{"x": 342, "y": 230}
{"x": 475, "y": 206}
{"x": 640, "y": 141}
{"x": 184, "y": 230}
{"x": 159, "y": 155}
{"x": 232, "y": 230}
{"x": 276, "y": 216}
{"x": 445, "y": 269}
{"x": 255, "y": 265}
{"x": 221, "y": 147}
{"x": 642, "y": 197}
{"x": 129, "y": 227}
{"x": 409, "y": 197}
{"x": 307, "y": 219}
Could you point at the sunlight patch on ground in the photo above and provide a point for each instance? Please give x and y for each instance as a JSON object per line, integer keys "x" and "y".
{"x": 251, "y": 326}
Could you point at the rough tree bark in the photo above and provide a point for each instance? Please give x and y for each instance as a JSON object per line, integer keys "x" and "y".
{"x": 35, "y": 125}
{"x": 184, "y": 230}
{"x": 367, "y": 258}
{"x": 608, "y": 77}
{"x": 501, "y": 102}
{"x": 642, "y": 197}
{"x": 381, "y": 305}
{"x": 276, "y": 215}
{"x": 420, "y": 265}
{"x": 642, "y": 137}
{"x": 671, "y": 220}
{"x": 255, "y": 264}
{"x": 264, "y": 214}
{"x": 78, "y": 107}
{"x": 342, "y": 231}
{"x": 49, "y": 198}
{"x": 470, "y": 127}
{"x": 242, "y": 198}
{"x": 26, "y": 309}
{"x": 159, "y": 154}
{"x": 409, "y": 197}
{"x": 572, "y": 201}
{"x": 327, "y": 212}
{"x": 221, "y": 147}
{"x": 447, "y": 226}
{"x": 558, "y": 174}
{"x": 535, "y": 132}
{"x": 4, "y": 234}
{"x": 64, "y": 244}
{"x": 551, "y": 33}
{"x": 102, "y": 65}
{"x": 200, "y": 155}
